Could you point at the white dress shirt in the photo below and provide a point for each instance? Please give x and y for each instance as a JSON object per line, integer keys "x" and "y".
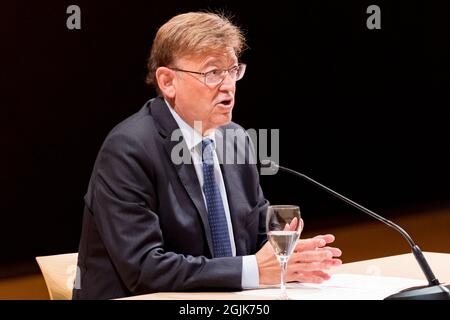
{"x": 193, "y": 139}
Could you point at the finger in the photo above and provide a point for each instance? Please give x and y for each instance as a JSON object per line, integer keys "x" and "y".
{"x": 329, "y": 238}
{"x": 305, "y": 278}
{"x": 291, "y": 226}
{"x": 312, "y": 255}
{"x": 311, "y": 277}
{"x": 320, "y": 274}
{"x": 309, "y": 244}
{"x": 336, "y": 252}
{"x": 310, "y": 266}
{"x": 333, "y": 262}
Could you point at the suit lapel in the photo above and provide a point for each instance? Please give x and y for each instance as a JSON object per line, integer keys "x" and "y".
{"x": 189, "y": 179}
{"x": 185, "y": 172}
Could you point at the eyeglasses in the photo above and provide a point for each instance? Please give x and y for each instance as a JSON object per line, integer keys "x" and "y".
{"x": 216, "y": 76}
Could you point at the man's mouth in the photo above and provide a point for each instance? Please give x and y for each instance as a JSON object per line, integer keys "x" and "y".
{"x": 226, "y": 102}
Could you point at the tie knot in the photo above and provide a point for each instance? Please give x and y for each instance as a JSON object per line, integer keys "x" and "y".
{"x": 206, "y": 142}
{"x": 207, "y": 151}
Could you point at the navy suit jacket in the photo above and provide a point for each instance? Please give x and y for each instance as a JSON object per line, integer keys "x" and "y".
{"x": 145, "y": 226}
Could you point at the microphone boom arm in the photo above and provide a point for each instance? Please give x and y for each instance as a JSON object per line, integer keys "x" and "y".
{"x": 415, "y": 248}
{"x": 434, "y": 290}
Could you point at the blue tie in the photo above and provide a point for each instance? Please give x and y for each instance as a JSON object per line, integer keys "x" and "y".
{"x": 216, "y": 212}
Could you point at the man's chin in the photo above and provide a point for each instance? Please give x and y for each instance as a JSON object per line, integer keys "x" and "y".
{"x": 222, "y": 119}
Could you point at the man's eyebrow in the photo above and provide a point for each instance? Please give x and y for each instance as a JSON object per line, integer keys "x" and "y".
{"x": 213, "y": 63}
{"x": 210, "y": 62}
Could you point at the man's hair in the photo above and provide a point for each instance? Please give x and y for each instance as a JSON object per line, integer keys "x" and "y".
{"x": 191, "y": 34}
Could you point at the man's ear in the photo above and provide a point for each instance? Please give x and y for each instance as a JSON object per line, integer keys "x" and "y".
{"x": 166, "y": 78}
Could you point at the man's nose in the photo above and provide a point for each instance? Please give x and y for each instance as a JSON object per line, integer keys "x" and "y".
{"x": 228, "y": 83}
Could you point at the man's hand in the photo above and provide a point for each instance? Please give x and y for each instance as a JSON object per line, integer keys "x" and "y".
{"x": 306, "y": 264}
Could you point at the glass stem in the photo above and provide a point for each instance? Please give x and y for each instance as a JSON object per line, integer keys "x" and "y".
{"x": 283, "y": 263}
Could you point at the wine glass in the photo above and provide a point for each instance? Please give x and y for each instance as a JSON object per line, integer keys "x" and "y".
{"x": 283, "y": 225}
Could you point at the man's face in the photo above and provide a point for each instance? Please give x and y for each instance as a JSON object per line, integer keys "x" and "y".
{"x": 196, "y": 101}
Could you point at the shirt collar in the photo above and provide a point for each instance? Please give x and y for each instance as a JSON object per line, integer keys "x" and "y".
{"x": 192, "y": 137}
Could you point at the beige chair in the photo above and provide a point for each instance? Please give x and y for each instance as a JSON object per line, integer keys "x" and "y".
{"x": 59, "y": 274}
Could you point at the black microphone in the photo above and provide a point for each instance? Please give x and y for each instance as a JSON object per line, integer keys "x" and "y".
{"x": 433, "y": 291}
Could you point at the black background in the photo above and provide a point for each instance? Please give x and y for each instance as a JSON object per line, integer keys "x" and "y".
{"x": 362, "y": 111}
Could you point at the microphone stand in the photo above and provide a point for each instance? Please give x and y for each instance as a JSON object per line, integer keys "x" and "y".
{"x": 433, "y": 291}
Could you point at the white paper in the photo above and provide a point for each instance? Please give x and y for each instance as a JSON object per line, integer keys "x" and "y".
{"x": 342, "y": 287}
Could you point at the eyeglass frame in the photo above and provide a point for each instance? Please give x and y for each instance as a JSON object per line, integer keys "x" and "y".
{"x": 204, "y": 74}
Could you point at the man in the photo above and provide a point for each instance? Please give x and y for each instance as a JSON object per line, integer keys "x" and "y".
{"x": 152, "y": 223}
